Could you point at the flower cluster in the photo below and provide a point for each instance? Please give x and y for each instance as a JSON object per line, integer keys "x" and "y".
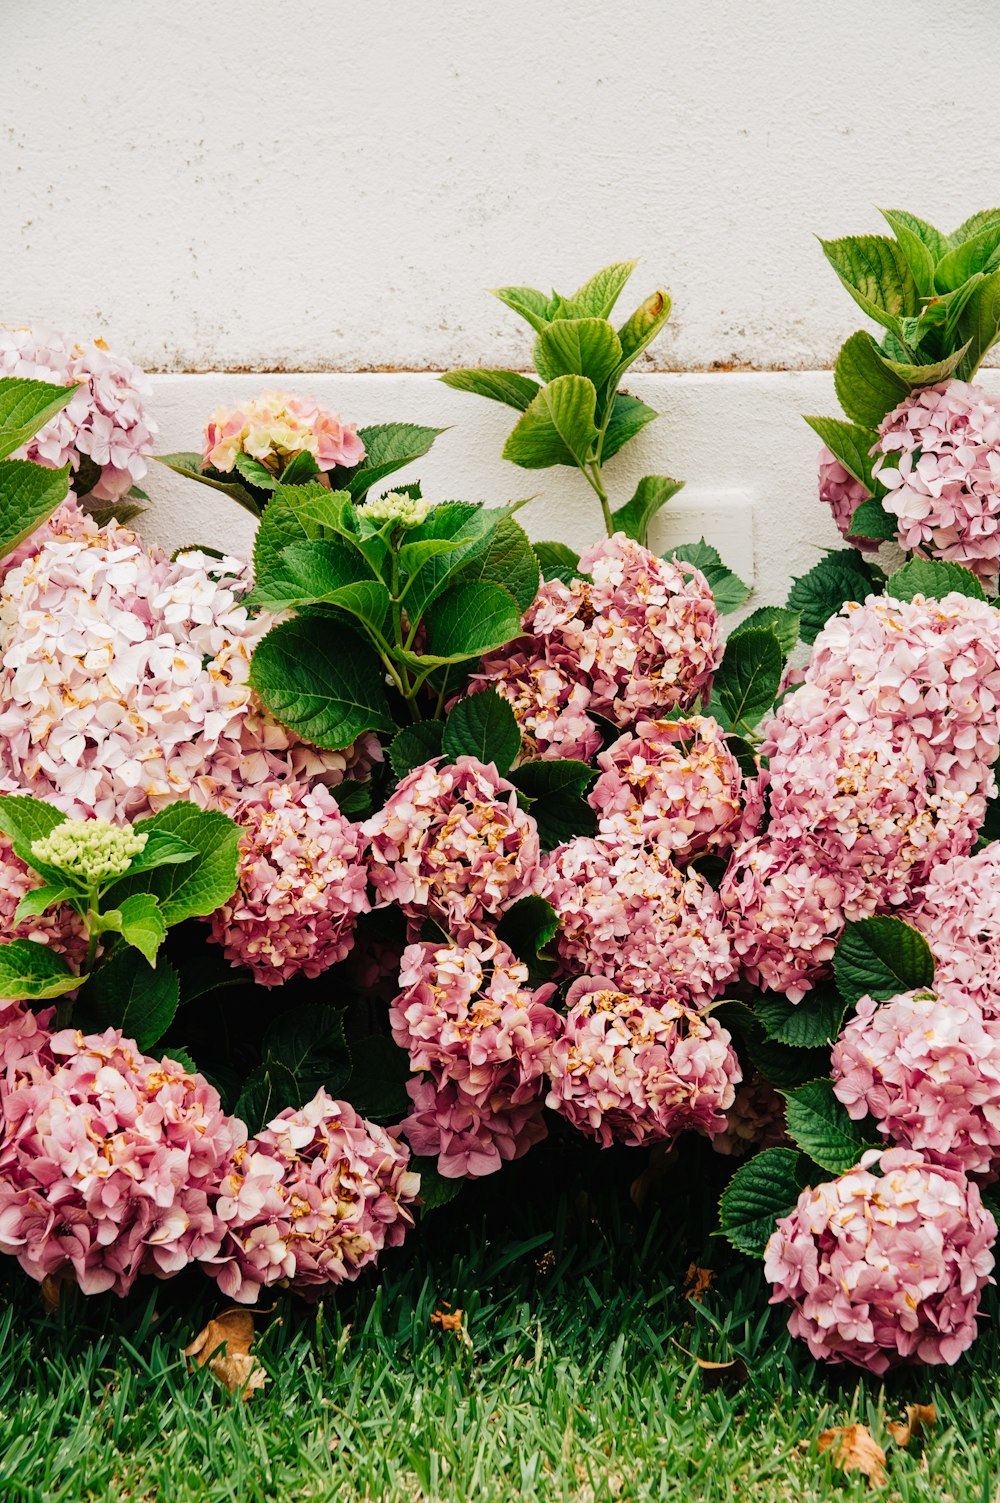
{"x": 958, "y": 912}
{"x": 675, "y": 783}
{"x": 401, "y": 510}
{"x": 91, "y": 850}
{"x": 452, "y": 843}
{"x": 639, "y": 1069}
{"x": 879, "y": 768}
{"x": 938, "y": 455}
{"x": 481, "y": 1039}
{"x": 839, "y": 490}
{"x": 311, "y": 1200}
{"x": 636, "y": 637}
{"x": 105, "y": 425}
{"x": 273, "y": 428}
{"x": 626, "y": 911}
{"x": 885, "y": 1264}
{"x": 302, "y": 884}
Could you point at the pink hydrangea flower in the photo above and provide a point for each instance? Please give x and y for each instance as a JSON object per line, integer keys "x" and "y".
{"x": 627, "y": 912}
{"x": 107, "y": 1163}
{"x": 311, "y": 1201}
{"x": 302, "y": 883}
{"x": 885, "y": 1264}
{"x": 25, "y": 1037}
{"x": 640, "y": 637}
{"x": 926, "y": 1065}
{"x": 673, "y": 782}
{"x": 938, "y": 455}
{"x": 958, "y": 911}
{"x": 452, "y": 844}
{"x": 843, "y": 495}
{"x": 469, "y": 1140}
{"x": 276, "y": 426}
{"x": 106, "y": 420}
{"x": 640, "y": 1069}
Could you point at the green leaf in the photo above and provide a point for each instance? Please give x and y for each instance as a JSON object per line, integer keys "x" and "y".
{"x": 141, "y": 924}
{"x": 483, "y": 726}
{"x": 850, "y": 444}
{"x": 927, "y": 375}
{"x": 29, "y": 494}
{"x": 818, "y": 1124}
{"x": 435, "y": 1190}
{"x": 828, "y": 585}
{"x": 377, "y": 1087}
{"x": 934, "y": 578}
{"x": 327, "y": 689}
{"x": 468, "y": 531}
{"x": 24, "y": 819}
{"x": 300, "y": 470}
{"x": 255, "y": 473}
{"x": 311, "y": 1043}
{"x": 701, "y": 554}
{"x": 875, "y": 272}
{"x": 188, "y": 463}
{"x": 978, "y": 253}
{"x": 599, "y": 294}
{"x": 509, "y": 560}
{"x": 127, "y": 993}
{"x": 266, "y": 1092}
{"x": 30, "y": 971}
{"x": 468, "y": 620}
{"x": 870, "y": 519}
{"x": 557, "y": 789}
{"x": 728, "y": 590}
{"x": 578, "y": 346}
{"x": 527, "y": 302}
{"x": 195, "y": 888}
{"x": 628, "y": 417}
{"x": 915, "y": 248}
{"x": 25, "y": 407}
{"x": 557, "y": 428}
{"x": 642, "y": 328}
{"x": 529, "y": 926}
{"x": 353, "y": 797}
{"x": 866, "y": 388}
{"x": 748, "y": 679}
{"x": 509, "y": 387}
{"x": 980, "y": 323}
{"x": 758, "y": 1195}
{"x": 881, "y": 957}
{"x": 809, "y": 1024}
{"x": 933, "y": 239}
{"x": 786, "y": 1068}
{"x": 300, "y": 514}
{"x": 977, "y": 222}
{"x": 388, "y": 447}
{"x": 558, "y": 561}
{"x": 652, "y": 493}
{"x": 323, "y": 573}
{"x": 161, "y": 849}
{"x": 40, "y": 899}
{"x": 777, "y": 618}
{"x": 415, "y": 745}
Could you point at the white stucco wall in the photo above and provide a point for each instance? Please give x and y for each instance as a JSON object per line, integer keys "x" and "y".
{"x": 327, "y": 187}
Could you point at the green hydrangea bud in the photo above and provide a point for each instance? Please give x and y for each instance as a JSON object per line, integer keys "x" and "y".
{"x": 91, "y": 850}
{"x": 405, "y": 511}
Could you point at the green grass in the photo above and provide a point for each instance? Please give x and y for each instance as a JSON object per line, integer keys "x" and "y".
{"x": 573, "y": 1384}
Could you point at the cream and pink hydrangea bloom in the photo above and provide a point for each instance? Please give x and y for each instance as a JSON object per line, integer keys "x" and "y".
{"x": 276, "y": 426}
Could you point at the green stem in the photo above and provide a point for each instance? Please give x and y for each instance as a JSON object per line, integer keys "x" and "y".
{"x": 593, "y": 477}
{"x": 64, "y": 1005}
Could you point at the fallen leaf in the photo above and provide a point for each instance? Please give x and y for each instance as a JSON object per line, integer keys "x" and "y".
{"x": 856, "y": 1451}
{"x": 698, "y": 1281}
{"x": 448, "y": 1319}
{"x": 225, "y": 1345}
{"x": 714, "y": 1374}
{"x": 919, "y": 1418}
{"x": 50, "y": 1292}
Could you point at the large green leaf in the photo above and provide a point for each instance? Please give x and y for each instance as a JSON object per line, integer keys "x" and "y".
{"x": 128, "y": 993}
{"x": 24, "y": 819}
{"x": 25, "y": 407}
{"x": 979, "y": 253}
{"x": 729, "y": 591}
{"x": 141, "y": 924}
{"x": 188, "y": 463}
{"x": 974, "y": 225}
{"x": 416, "y": 744}
{"x": 323, "y": 573}
{"x": 980, "y": 323}
{"x": 254, "y": 472}
{"x": 933, "y": 239}
{"x": 600, "y": 292}
{"x": 870, "y": 519}
{"x": 529, "y": 926}
{"x": 916, "y": 248}
{"x": 483, "y": 726}
{"x": 267, "y": 1091}
{"x": 777, "y": 618}
{"x": 933, "y": 578}
{"x": 652, "y": 493}
{"x": 927, "y": 375}
{"x": 807, "y": 1024}
{"x": 748, "y": 679}
{"x": 29, "y": 494}
{"x": 466, "y": 529}
{"x": 875, "y": 272}
{"x": 509, "y": 387}
{"x": 850, "y": 444}
{"x": 527, "y": 302}
{"x": 818, "y": 1124}
{"x": 30, "y": 971}
{"x": 310, "y": 1042}
{"x": 325, "y": 685}
{"x": 818, "y": 595}
{"x": 469, "y": 619}
{"x": 881, "y": 957}
{"x": 628, "y": 417}
{"x": 509, "y": 560}
{"x": 300, "y": 514}
{"x": 557, "y": 428}
{"x": 558, "y": 561}
{"x": 578, "y": 346}
{"x": 388, "y": 447}
{"x": 196, "y": 888}
{"x": 866, "y": 388}
{"x": 757, "y": 1196}
{"x": 641, "y": 329}
{"x": 556, "y": 789}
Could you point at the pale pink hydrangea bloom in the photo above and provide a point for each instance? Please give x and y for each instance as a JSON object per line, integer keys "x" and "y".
{"x": 311, "y": 1201}
{"x": 302, "y": 883}
{"x": 639, "y": 1069}
{"x": 627, "y": 912}
{"x": 958, "y": 912}
{"x": 755, "y": 1120}
{"x": 276, "y": 426}
{"x": 106, "y": 419}
{"x": 672, "y": 782}
{"x": 884, "y": 1267}
{"x": 67, "y": 521}
{"x": 938, "y": 455}
{"x": 107, "y": 1163}
{"x": 467, "y": 1139}
{"x": 25, "y": 1037}
{"x": 125, "y": 681}
{"x": 640, "y": 637}
{"x": 452, "y": 844}
{"x": 926, "y": 1065}
{"x": 843, "y": 495}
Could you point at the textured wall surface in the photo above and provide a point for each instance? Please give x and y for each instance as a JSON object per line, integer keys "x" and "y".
{"x": 327, "y": 185}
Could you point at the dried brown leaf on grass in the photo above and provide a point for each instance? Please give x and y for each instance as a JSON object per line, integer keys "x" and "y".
{"x": 919, "y": 1419}
{"x": 225, "y": 1345}
{"x": 698, "y": 1281}
{"x": 448, "y": 1319}
{"x": 714, "y": 1374}
{"x": 855, "y": 1449}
